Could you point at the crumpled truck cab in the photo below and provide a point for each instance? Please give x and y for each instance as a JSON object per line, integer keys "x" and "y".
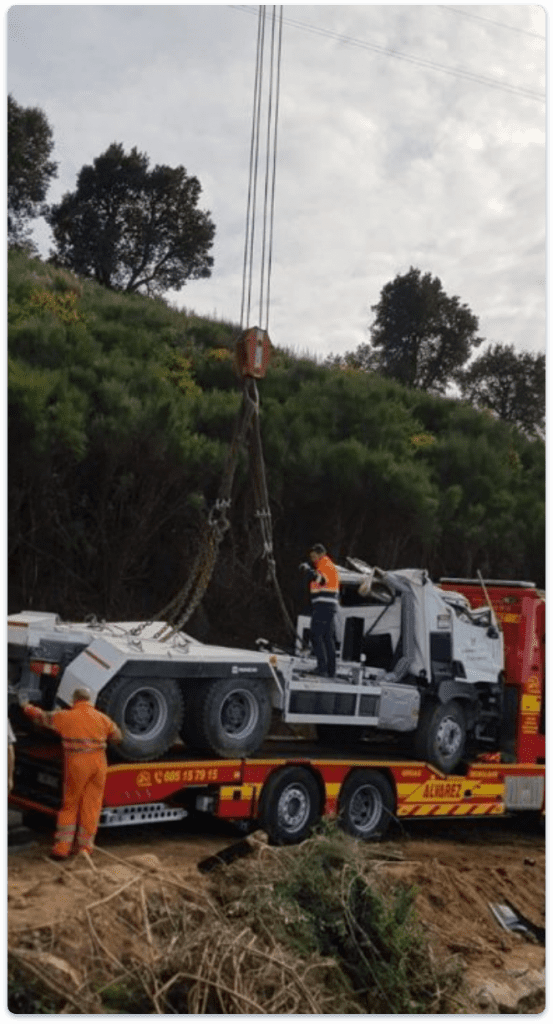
{"x": 432, "y": 663}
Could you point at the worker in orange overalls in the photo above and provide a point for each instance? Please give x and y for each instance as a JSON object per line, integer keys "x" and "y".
{"x": 84, "y": 733}
{"x": 324, "y": 588}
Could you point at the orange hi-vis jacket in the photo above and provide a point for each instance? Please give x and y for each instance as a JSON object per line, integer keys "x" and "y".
{"x": 325, "y": 585}
{"x": 84, "y": 734}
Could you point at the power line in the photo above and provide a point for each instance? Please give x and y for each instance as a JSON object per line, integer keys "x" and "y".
{"x": 423, "y": 62}
{"x": 491, "y": 21}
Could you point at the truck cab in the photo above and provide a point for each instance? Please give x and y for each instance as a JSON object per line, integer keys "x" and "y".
{"x": 431, "y": 662}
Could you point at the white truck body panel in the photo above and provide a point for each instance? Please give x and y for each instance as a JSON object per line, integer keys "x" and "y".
{"x": 425, "y": 644}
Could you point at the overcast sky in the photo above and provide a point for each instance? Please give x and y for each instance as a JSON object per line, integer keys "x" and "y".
{"x": 408, "y": 136}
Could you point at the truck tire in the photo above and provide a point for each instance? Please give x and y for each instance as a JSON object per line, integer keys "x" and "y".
{"x": 366, "y": 804}
{"x": 149, "y": 713}
{"x": 290, "y": 806}
{"x": 231, "y": 717}
{"x": 441, "y": 735}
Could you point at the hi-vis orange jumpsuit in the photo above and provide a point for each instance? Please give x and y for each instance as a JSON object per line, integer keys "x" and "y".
{"x": 84, "y": 733}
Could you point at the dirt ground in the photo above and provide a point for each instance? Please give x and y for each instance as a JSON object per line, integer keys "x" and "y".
{"x": 457, "y": 868}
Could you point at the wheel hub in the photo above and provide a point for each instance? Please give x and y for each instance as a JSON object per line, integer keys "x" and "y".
{"x": 293, "y": 808}
{"x": 144, "y": 713}
{"x": 449, "y": 736}
{"x": 366, "y": 808}
{"x": 239, "y": 714}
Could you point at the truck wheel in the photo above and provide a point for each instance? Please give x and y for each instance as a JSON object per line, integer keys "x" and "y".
{"x": 441, "y": 735}
{"x": 149, "y": 713}
{"x": 290, "y": 806}
{"x": 366, "y": 804}
{"x": 232, "y": 716}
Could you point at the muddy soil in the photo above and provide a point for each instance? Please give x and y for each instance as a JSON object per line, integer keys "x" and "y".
{"x": 458, "y": 870}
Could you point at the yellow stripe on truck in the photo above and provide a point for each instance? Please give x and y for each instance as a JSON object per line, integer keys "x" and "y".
{"x": 230, "y": 792}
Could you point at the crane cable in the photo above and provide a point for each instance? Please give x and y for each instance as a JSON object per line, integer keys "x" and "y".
{"x": 185, "y": 602}
{"x": 272, "y": 115}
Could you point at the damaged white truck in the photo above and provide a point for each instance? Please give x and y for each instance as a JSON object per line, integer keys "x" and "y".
{"x": 415, "y": 664}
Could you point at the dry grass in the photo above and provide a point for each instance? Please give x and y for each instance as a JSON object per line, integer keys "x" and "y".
{"x": 262, "y": 935}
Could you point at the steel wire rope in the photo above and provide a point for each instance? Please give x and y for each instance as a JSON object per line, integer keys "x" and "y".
{"x": 267, "y": 177}
{"x": 254, "y": 170}
{"x": 259, "y": 481}
{"x": 273, "y": 183}
{"x": 184, "y": 603}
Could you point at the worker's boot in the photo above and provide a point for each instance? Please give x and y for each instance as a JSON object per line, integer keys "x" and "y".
{"x": 60, "y": 851}
{"x": 63, "y": 841}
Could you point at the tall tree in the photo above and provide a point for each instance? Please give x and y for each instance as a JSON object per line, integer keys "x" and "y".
{"x": 133, "y": 229}
{"x": 510, "y": 383}
{"x": 422, "y": 334}
{"x": 30, "y": 144}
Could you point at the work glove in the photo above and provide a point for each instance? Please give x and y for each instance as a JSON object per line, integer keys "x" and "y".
{"x": 305, "y": 567}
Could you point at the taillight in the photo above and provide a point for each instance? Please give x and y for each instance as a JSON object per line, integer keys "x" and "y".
{"x": 46, "y": 668}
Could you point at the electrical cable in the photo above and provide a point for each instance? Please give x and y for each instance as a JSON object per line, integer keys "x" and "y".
{"x": 422, "y": 62}
{"x": 490, "y": 21}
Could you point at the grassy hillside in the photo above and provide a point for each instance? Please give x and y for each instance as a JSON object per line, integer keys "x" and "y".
{"x": 120, "y": 411}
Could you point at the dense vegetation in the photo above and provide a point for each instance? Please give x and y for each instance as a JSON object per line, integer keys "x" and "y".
{"x": 120, "y": 413}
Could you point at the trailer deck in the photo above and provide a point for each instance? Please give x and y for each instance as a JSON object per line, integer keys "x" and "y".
{"x": 233, "y": 789}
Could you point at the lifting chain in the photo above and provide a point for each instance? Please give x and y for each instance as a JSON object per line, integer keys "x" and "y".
{"x": 185, "y": 602}
{"x": 180, "y": 609}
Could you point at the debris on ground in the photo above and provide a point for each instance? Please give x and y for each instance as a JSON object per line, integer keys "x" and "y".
{"x": 139, "y": 927}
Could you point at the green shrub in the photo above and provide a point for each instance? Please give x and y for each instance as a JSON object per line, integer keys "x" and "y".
{"x": 323, "y": 898}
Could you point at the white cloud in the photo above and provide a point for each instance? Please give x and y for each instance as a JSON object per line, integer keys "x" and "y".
{"x": 388, "y": 157}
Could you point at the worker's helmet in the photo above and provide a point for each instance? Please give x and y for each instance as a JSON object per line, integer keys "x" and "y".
{"x": 81, "y": 693}
{"x": 319, "y": 549}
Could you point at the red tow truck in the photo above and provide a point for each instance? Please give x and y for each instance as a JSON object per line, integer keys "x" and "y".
{"x": 295, "y": 782}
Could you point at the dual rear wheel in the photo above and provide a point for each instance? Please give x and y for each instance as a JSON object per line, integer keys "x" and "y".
{"x": 292, "y": 803}
{"x": 222, "y": 717}
{"x": 228, "y": 717}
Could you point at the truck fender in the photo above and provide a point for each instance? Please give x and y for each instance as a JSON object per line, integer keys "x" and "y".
{"x": 93, "y": 668}
{"x": 453, "y": 689}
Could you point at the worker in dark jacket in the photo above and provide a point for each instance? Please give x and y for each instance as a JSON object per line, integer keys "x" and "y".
{"x": 324, "y": 588}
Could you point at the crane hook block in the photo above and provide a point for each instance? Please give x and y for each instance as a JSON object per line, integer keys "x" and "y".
{"x": 253, "y": 350}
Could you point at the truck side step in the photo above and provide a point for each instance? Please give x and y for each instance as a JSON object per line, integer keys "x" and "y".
{"x": 312, "y": 699}
{"x": 137, "y": 814}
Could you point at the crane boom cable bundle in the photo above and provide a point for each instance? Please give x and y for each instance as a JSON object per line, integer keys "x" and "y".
{"x": 272, "y": 113}
{"x": 275, "y": 142}
{"x": 185, "y": 602}
{"x": 247, "y": 274}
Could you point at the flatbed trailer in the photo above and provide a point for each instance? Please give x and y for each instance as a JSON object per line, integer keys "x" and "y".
{"x": 286, "y": 791}
{"x": 292, "y": 784}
